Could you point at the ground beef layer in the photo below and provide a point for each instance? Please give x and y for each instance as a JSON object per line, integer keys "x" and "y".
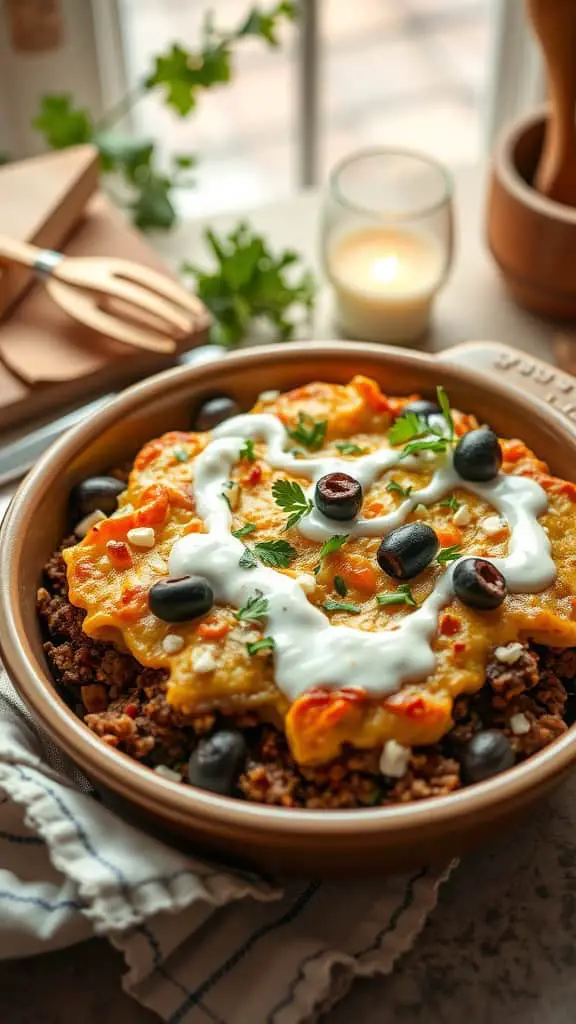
{"x": 125, "y": 705}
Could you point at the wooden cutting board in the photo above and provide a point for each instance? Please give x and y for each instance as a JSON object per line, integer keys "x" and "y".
{"x": 39, "y": 341}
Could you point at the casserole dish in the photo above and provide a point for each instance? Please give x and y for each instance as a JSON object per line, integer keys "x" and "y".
{"x": 323, "y": 841}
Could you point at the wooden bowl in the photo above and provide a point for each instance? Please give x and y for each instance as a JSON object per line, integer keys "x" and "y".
{"x": 532, "y": 238}
{"x": 316, "y": 842}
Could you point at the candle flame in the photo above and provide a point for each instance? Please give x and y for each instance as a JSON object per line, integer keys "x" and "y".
{"x": 385, "y": 269}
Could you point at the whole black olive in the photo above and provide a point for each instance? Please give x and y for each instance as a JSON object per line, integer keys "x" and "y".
{"x": 217, "y": 761}
{"x": 338, "y": 496}
{"x": 177, "y": 600}
{"x": 97, "y": 493}
{"x": 479, "y": 584}
{"x": 214, "y": 411}
{"x": 408, "y": 550}
{"x": 478, "y": 455}
{"x": 486, "y": 754}
{"x": 423, "y": 408}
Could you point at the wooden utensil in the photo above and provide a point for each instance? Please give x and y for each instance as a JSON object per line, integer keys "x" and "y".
{"x": 554, "y": 23}
{"x": 82, "y": 285}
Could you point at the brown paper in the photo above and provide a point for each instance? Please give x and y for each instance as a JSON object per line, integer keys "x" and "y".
{"x": 50, "y": 359}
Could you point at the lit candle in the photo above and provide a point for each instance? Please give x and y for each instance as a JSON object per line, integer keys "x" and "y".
{"x": 385, "y": 279}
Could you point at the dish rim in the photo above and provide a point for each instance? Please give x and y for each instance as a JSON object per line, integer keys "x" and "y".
{"x": 185, "y": 804}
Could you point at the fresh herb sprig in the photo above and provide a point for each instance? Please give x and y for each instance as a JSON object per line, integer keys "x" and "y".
{"x": 419, "y": 435}
{"x": 395, "y": 488}
{"x": 329, "y": 547}
{"x": 254, "y": 610}
{"x": 402, "y": 595}
{"x": 449, "y": 554}
{"x": 265, "y": 644}
{"x": 341, "y": 606}
{"x": 289, "y": 496}
{"x": 349, "y": 448}
{"x": 244, "y": 531}
{"x": 277, "y": 554}
{"x": 247, "y": 451}
{"x": 451, "y": 502}
{"x": 308, "y": 431}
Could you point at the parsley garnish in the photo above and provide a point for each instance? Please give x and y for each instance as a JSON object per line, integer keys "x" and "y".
{"x": 276, "y": 553}
{"x": 290, "y": 496}
{"x": 248, "y": 559}
{"x": 396, "y": 488}
{"x": 180, "y": 454}
{"x": 445, "y": 406}
{"x": 254, "y": 609}
{"x": 403, "y": 595}
{"x": 340, "y": 587}
{"x": 333, "y": 544}
{"x": 247, "y": 451}
{"x": 244, "y": 530}
{"x": 449, "y": 554}
{"x": 265, "y": 644}
{"x": 450, "y": 502}
{"x": 340, "y": 606}
{"x": 348, "y": 448}
{"x": 309, "y": 432}
{"x": 407, "y": 427}
{"x": 437, "y": 445}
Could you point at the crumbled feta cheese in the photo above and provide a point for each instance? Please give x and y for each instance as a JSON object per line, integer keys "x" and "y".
{"x": 252, "y": 637}
{"x": 509, "y": 654}
{"x": 520, "y": 724}
{"x": 172, "y": 643}
{"x": 461, "y": 516}
{"x": 307, "y": 581}
{"x": 141, "y": 537}
{"x": 203, "y": 660}
{"x": 492, "y": 525}
{"x": 268, "y": 396}
{"x": 167, "y": 773}
{"x": 420, "y": 509}
{"x": 86, "y": 524}
{"x": 394, "y": 759}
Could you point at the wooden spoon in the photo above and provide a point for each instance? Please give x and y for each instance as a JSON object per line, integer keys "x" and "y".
{"x": 554, "y": 23}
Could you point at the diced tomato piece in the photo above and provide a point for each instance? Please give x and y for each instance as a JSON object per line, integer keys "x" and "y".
{"x": 131, "y": 710}
{"x": 254, "y": 475}
{"x": 459, "y": 647}
{"x": 448, "y": 536}
{"x": 119, "y": 554}
{"x": 213, "y": 629}
{"x": 449, "y": 625}
{"x": 425, "y": 707}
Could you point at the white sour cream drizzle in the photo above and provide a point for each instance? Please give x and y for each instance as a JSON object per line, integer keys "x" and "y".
{"x": 308, "y": 650}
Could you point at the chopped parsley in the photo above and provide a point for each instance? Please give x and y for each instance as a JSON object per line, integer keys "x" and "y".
{"x": 340, "y": 606}
{"x": 254, "y": 609}
{"x": 228, "y": 485}
{"x": 407, "y": 427}
{"x": 348, "y": 448}
{"x": 446, "y": 411}
{"x": 439, "y": 444}
{"x": 414, "y": 431}
{"x": 244, "y": 530}
{"x": 449, "y": 554}
{"x": 395, "y": 488}
{"x": 247, "y": 450}
{"x": 276, "y": 553}
{"x": 180, "y": 454}
{"x": 265, "y": 644}
{"x": 450, "y": 502}
{"x": 309, "y": 432}
{"x": 248, "y": 559}
{"x": 290, "y": 496}
{"x": 340, "y": 587}
{"x": 333, "y": 544}
{"x": 402, "y": 595}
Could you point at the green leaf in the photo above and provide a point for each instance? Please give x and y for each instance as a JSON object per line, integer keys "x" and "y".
{"x": 402, "y": 595}
{"x": 407, "y": 427}
{"x": 122, "y": 152}
{"x": 247, "y": 451}
{"x": 182, "y": 74}
{"x": 265, "y": 644}
{"x": 180, "y": 454}
{"x": 249, "y": 281}
{"x": 276, "y": 553}
{"x": 438, "y": 445}
{"x": 265, "y": 23}
{"x": 289, "y": 495}
{"x": 445, "y": 406}
{"x": 184, "y": 161}
{"x": 254, "y": 610}
{"x": 340, "y": 586}
{"x": 333, "y": 544}
{"x": 340, "y": 606}
{"x": 348, "y": 448}
{"x": 61, "y": 123}
{"x": 309, "y": 432}
{"x": 449, "y": 554}
{"x": 248, "y": 559}
{"x": 395, "y": 488}
{"x": 244, "y": 531}
{"x": 152, "y": 206}
{"x": 451, "y": 502}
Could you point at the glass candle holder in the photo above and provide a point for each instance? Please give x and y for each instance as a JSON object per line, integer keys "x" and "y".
{"x": 387, "y": 237}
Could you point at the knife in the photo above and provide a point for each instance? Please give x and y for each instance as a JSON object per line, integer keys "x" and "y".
{"x": 18, "y": 456}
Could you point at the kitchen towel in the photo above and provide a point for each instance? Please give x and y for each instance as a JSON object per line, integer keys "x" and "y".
{"x": 202, "y": 943}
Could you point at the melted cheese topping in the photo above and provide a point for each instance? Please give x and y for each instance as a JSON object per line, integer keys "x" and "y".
{"x": 383, "y": 672}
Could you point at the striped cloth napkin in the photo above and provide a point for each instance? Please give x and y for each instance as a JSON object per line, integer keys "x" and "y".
{"x": 202, "y": 943}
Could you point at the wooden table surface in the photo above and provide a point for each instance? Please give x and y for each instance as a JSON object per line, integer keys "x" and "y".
{"x": 501, "y": 945}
